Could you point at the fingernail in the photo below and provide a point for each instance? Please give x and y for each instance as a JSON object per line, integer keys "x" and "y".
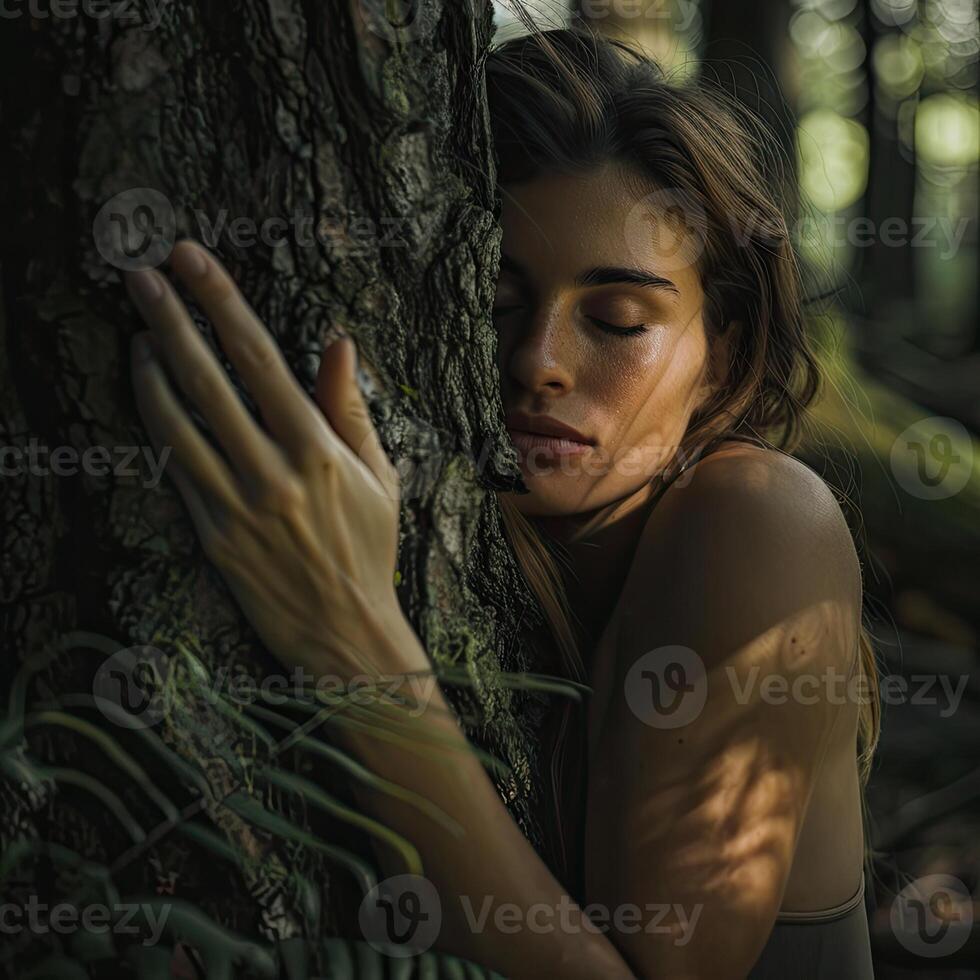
{"x": 142, "y": 349}
{"x": 144, "y": 286}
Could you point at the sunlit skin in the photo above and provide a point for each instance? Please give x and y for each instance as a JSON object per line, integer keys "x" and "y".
{"x": 623, "y": 362}
{"x": 749, "y": 564}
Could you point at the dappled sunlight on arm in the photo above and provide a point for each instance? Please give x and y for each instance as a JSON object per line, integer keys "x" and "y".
{"x": 698, "y": 809}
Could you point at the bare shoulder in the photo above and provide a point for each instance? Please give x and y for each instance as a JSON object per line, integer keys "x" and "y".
{"x": 752, "y": 535}
{"x": 765, "y": 486}
{"x": 744, "y": 501}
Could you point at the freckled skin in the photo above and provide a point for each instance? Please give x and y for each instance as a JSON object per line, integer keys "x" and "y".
{"x": 633, "y": 394}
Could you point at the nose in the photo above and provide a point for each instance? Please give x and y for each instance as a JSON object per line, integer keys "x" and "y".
{"x": 538, "y": 355}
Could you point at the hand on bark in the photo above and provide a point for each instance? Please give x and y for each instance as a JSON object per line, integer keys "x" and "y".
{"x": 301, "y": 518}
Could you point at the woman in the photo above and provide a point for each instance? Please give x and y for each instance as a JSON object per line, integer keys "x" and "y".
{"x": 650, "y": 325}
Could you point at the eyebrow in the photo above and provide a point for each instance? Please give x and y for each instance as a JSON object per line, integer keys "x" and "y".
{"x": 606, "y": 275}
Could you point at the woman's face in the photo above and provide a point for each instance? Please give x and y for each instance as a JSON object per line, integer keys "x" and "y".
{"x": 598, "y": 314}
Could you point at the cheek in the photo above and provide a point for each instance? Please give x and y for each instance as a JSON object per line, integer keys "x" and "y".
{"x": 651, "y": 393}
{"x": 629, "y": 373}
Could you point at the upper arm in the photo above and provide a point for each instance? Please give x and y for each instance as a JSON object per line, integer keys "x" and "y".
{"x": 746, "y": 579}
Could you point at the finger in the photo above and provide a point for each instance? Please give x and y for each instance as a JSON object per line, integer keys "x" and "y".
{"x": 341, "y": 401}
{"x": 200, "y": 376}
{"x": 197, "y": 506}
{"x": 170, "y": 425}
{"x": 287, "y": 410}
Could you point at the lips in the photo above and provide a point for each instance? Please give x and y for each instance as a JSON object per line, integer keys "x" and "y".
{"x": 546, "y": 426}
{"x": 540, "y": 438}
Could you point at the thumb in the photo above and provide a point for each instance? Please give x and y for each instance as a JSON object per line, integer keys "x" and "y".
{"x": 339, "y": 397}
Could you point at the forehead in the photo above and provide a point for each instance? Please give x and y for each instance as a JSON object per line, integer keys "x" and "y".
{"x": 609, "y": 216}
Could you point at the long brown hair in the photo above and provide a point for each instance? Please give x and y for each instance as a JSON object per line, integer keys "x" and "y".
{"x": 565, "y": 101}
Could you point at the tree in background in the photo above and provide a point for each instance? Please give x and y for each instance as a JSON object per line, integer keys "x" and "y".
{"x": 338, "y": 161}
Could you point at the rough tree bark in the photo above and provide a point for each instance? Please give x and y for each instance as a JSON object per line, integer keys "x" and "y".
{"x": 367, "y": 142}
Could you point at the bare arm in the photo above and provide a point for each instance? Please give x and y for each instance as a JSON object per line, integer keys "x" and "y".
{"x": 301, "y": 520}
{"x": 500, "y": 905}
{"x": 710, "y": 724}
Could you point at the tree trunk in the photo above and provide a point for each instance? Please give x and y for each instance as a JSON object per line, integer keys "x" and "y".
{"x": 748, "y": 51}
{"x": 367, "y": 145}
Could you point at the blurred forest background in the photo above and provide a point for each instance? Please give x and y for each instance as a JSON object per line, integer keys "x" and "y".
{"x": 875, "y": 103}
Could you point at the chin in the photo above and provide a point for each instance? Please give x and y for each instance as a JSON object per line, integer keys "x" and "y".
{"x": 558, "y": 496}
{"x": 547, "y": 499}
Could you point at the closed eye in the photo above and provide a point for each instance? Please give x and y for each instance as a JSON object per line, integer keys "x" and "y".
{"x": 619, "y": 331}
{"x": 506, "y": 310}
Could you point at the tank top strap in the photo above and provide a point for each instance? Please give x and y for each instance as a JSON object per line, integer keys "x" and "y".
{"x": 827, "y": 915}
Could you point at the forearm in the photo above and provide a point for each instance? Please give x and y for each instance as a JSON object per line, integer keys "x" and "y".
{"x": 488, "y": 865}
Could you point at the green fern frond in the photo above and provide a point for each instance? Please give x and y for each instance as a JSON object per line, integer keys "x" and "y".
{"x": 111, "y": 800}
{"x": 113, "y": 750}
{"x": 252, "y": 810}
{"x": 360, "y": 772}
{"x": 324, "y": 801}
{"x": 519, "y": 681}
{"x": 186, "y": 772}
